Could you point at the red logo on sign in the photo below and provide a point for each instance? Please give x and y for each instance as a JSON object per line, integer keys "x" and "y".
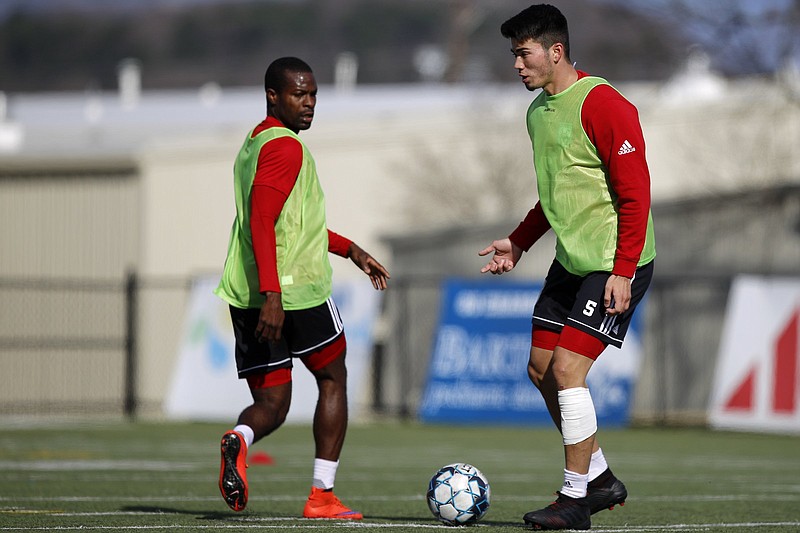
{"x": 784, "y": 380}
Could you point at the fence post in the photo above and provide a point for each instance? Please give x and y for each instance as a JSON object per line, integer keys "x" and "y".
{"x": 404, "y": 352}
{"x": 131, "y": 295}
{"x": 378, "y": 406}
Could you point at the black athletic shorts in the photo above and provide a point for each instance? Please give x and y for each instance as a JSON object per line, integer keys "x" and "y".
{"x": 577, "y": 301}
{"x": 305, "y": 332}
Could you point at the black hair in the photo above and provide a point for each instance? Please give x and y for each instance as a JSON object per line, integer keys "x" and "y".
{"x": 541, "y": 23}
{"x": 275, "y": 77}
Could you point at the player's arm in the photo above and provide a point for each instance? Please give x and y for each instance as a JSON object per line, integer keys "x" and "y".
{"x": 344, "y": 247}
{"x": 508, "y": 251}
{"x": 612, "y": 124}
{"x": 278, "y": 165}
{"x": 338, "y": 244}
{"x": 531, "y": 229}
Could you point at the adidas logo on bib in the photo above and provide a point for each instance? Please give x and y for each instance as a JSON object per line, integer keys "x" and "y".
{"x": 626, "y": 148}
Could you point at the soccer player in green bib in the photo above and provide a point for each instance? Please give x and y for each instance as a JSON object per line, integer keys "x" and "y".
{"x": 594, "y": 193}
{"x": 277, "y": 281}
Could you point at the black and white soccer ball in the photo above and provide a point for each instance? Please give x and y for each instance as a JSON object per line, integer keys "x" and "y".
{"x": 459, "y": 494}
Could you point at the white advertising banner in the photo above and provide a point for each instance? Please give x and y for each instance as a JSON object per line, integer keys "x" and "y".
{"x": 205, "y": 385}
{"x": 757, "y": 380}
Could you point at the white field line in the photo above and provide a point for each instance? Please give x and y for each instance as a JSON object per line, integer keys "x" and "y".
{"x": 144, "y": 473}
{"x": 307, "y": 525}
{"x": 691, "y": 527}
{"x": 73, "y": 465}
{"x": 378, "y": 498}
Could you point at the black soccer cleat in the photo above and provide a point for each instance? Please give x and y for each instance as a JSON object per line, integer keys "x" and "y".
{"x": 564, "y": 513}
{"x": 605, "y": 491}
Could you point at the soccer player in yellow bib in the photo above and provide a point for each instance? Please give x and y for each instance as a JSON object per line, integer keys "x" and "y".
{"x": 277, "y": 281}
{"x": 594, "y": 193}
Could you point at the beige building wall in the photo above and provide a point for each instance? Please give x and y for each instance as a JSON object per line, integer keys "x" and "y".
{"x": 722, "y": 145}
{"x": 61, "y": 341}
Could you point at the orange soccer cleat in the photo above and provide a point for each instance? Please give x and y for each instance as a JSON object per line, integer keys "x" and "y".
{"x": 323, "y": 503}
{"x": 232, "y": 471}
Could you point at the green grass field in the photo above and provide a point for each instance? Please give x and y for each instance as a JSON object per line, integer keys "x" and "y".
{"x": 163, "y": 477}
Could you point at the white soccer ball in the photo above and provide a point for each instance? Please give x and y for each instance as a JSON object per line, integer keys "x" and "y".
{"x": 459, "y": 494}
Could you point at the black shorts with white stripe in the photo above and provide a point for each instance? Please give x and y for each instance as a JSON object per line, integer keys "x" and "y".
{"x": 577, "y": 301}
{"x": 305, "y": 332}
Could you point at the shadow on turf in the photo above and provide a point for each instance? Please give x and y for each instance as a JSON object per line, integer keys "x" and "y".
{"x": 484, "y": 522}
{"x": 202, "y": 515}
{"x": 227, "y": 515}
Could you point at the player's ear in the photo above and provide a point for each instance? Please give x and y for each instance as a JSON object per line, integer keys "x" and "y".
{"x": 557, "y": 52}
{"x": 272, "y": 97}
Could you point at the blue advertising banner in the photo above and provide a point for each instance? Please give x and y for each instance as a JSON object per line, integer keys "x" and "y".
{"x": 478, "y": 370}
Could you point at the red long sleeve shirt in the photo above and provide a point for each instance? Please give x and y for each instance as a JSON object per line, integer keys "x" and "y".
{"x": 278, "y": 165}
{"x": 609, "y": 120}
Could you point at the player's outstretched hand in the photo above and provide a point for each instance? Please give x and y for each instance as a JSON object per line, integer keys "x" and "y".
{"x": 378, "y": 275}
{"x": 505, "y": 258}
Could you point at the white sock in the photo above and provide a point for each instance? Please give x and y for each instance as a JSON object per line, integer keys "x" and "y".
{"x": 598, "y": 465}
{"x": 574, "y": 484}
{"x": 247, "y": 433}
{"x": 324, "y": 473}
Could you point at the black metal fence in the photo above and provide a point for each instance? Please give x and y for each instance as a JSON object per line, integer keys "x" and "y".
{"x": 70, "y": 346}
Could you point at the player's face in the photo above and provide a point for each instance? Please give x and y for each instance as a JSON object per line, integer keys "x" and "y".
{"x": 533, "y": 63}
{"x": 294, "y": 105}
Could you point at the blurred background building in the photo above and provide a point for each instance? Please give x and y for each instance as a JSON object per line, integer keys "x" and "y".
{"x": 119, "y": 125}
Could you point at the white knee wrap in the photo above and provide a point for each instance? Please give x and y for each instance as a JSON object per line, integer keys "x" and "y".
{"x": 578, "y": 419}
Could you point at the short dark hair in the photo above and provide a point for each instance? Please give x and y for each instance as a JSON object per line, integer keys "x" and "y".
{"x": 542, "y": 23}
{"x": 275, "y": 77}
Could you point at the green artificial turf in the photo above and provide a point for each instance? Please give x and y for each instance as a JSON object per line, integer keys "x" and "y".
{"x": 163, "y": 477}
